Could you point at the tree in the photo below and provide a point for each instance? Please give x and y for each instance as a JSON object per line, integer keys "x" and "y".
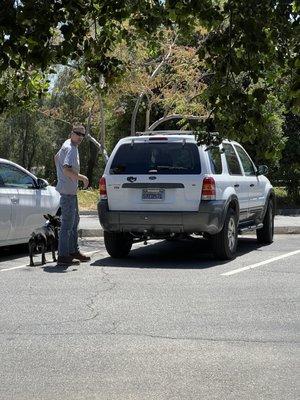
{"x": 289, "y": 167}
{"x": 251, "y": 56}
{"x": 36, "y": 34}
{"x": 246, "y": 71}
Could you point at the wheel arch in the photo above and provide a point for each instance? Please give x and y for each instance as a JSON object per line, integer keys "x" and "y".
{"x": 233, "y": 203}
{"x": 270, "y": 196}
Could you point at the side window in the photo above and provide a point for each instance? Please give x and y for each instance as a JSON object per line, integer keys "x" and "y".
{"x": 232, "y": 160}
{"x": 214, "y": 156}
{"x": 246, "y": 162}
{"x": 11, "y": 176}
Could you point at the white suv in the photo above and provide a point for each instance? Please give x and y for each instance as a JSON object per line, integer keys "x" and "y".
{"x": 164, "y": 185}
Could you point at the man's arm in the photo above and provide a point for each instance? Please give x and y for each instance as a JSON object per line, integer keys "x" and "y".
{"x": 74, "y": 175}
{"x": 55, "y": 158}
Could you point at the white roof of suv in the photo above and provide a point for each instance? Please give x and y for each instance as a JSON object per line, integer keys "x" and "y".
{"x": 173, "y": 135}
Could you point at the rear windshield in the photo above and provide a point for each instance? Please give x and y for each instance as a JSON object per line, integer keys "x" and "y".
{"x": 156, "y": 158}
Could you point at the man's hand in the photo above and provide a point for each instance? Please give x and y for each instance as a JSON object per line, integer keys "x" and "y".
{"x": 68, "y": 171}
{"x": 85, "y": 181}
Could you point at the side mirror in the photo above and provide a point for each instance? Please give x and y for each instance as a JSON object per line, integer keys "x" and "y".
{"x": 262, "y": 170}
{"x": 42, "y": 183}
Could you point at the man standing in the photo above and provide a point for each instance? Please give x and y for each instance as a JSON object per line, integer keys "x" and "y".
{"x": 67, "y": 168}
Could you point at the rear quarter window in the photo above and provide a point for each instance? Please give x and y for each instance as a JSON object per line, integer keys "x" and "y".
{"x": 232, "y": 160}
{"x": 156, "y": 158}
{"x": 215, "y": 161}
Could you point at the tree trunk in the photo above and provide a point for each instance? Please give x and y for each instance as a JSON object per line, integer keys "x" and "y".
{"x": 25, "y": 142}
{"x": 101, "y": 121}
{"x": 147, "y": 123}
{"x": 30, "y": 158}
{"x": 92, "y": 162}
{"x": 93, "y": 149}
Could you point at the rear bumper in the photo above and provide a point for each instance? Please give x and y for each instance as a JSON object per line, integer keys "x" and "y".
{"x": 208, "y": 219}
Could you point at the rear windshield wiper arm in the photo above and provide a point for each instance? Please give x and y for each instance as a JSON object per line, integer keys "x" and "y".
{"x": 170, "y": 167}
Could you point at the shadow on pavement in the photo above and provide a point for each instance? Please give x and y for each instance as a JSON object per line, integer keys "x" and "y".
{"x": 192, "y": 253}
{"x": 58, "y": 270}
{"x": 16, "y": 251}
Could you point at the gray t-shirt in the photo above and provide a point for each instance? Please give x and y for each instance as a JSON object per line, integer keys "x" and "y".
{"x": 67, "y": 155}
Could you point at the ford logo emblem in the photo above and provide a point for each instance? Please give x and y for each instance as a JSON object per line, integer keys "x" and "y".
{"x": 152, "y": 178}
{"x": 131, "y": 179}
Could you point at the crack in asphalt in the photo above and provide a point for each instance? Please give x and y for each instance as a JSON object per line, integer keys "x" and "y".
{"x": 106, "y": 280}
{"x": 111, "y": 332}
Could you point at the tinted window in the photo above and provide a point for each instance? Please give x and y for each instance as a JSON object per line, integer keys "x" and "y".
{"x": 11, "y": 176}
{"x": 215, "y": 160}
{"x": 232, "y": 160}
{"x": 158, "y": 158}
{"x": 246, "y": 161}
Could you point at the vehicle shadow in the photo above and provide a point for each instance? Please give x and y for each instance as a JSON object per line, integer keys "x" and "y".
{"x": 16, "y": 251}
{"x": 192, "y": 253}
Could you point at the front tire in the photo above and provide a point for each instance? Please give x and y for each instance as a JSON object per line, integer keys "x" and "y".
{"x": 117, "y": 244}
{"x": 266, "y": 233}
{"x": 224, "y": 243}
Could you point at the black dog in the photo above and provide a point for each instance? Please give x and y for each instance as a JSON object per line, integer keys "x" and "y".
{"x": 44, "y": 237}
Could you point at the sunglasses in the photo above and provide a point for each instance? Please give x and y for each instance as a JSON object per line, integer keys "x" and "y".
{"x": 79, "y": 133}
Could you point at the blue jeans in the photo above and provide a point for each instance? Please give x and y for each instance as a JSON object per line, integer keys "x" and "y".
{"x": 68, "y": 236}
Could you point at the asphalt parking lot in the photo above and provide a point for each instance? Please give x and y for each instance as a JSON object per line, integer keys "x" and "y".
{"x": 168, "y": 322}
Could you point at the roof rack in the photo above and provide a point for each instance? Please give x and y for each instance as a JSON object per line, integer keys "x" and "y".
{"x": 165, "y": 132}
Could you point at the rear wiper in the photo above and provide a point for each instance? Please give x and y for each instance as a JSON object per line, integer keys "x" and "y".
{"x": 170, "y": 167}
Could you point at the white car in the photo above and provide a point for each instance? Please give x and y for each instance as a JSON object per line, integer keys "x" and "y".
{"x": 165, "y": 184}
{"x": 24, "y": 199}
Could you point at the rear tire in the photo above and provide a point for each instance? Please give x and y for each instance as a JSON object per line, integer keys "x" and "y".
{"x": 266, "y": 233}
{"x": 117, "y": 244}
{"x": 224, "y": 243}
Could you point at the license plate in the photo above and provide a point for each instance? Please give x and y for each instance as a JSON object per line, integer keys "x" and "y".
{"x": 153, "y": 194}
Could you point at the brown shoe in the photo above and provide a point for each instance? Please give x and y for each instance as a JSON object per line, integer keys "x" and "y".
{"x": 66, "y": 261}
{"x": 81, "y": 257}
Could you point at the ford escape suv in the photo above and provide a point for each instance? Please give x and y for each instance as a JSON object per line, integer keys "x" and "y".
{"x": 164, "y": 185}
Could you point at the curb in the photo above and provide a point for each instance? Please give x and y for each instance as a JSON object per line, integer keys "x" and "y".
{"x": 279, "y": 211}
{"x": 288, "y": 211}
{"x": 88, "y": 212}
{"x": 90, "y": 233}
{"x": 287, "y": 230}
{"x": 280, "y": 230}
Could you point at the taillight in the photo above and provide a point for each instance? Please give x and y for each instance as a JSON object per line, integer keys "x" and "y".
{"x": 102, "y": 188}
{"x": 208, "y": 189}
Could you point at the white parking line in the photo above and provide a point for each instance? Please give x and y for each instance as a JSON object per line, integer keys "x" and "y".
{"x": 27, "y": 265}
{"x": 9, "y": 269}
{"x": 236, "y": 271}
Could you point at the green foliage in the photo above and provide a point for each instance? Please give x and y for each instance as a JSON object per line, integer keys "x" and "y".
{"x": 36, "y": 34}
{"x": 250, "y": 60}
{"x": 289, "y": 168}
{"x": 21, "y": 88}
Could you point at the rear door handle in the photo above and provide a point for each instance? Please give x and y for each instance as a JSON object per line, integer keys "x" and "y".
{"x": 252, "y": 185}
{"x": 236, "y": 185}
{"x": 14, "y": 200}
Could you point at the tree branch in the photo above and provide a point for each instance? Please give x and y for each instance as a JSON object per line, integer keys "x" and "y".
{"x": 55, "y": 118}
{"x": 153, "y": 75}
{"x": 175, "y": 116}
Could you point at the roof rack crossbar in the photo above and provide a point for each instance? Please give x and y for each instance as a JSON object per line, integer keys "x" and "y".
{"x": 164, "y": 133}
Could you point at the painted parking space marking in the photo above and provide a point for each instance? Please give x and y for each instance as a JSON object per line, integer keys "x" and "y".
{"x": 9, "y": 269}
{"x": 89, "y": 253}
{"x": 238, "y": 270}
